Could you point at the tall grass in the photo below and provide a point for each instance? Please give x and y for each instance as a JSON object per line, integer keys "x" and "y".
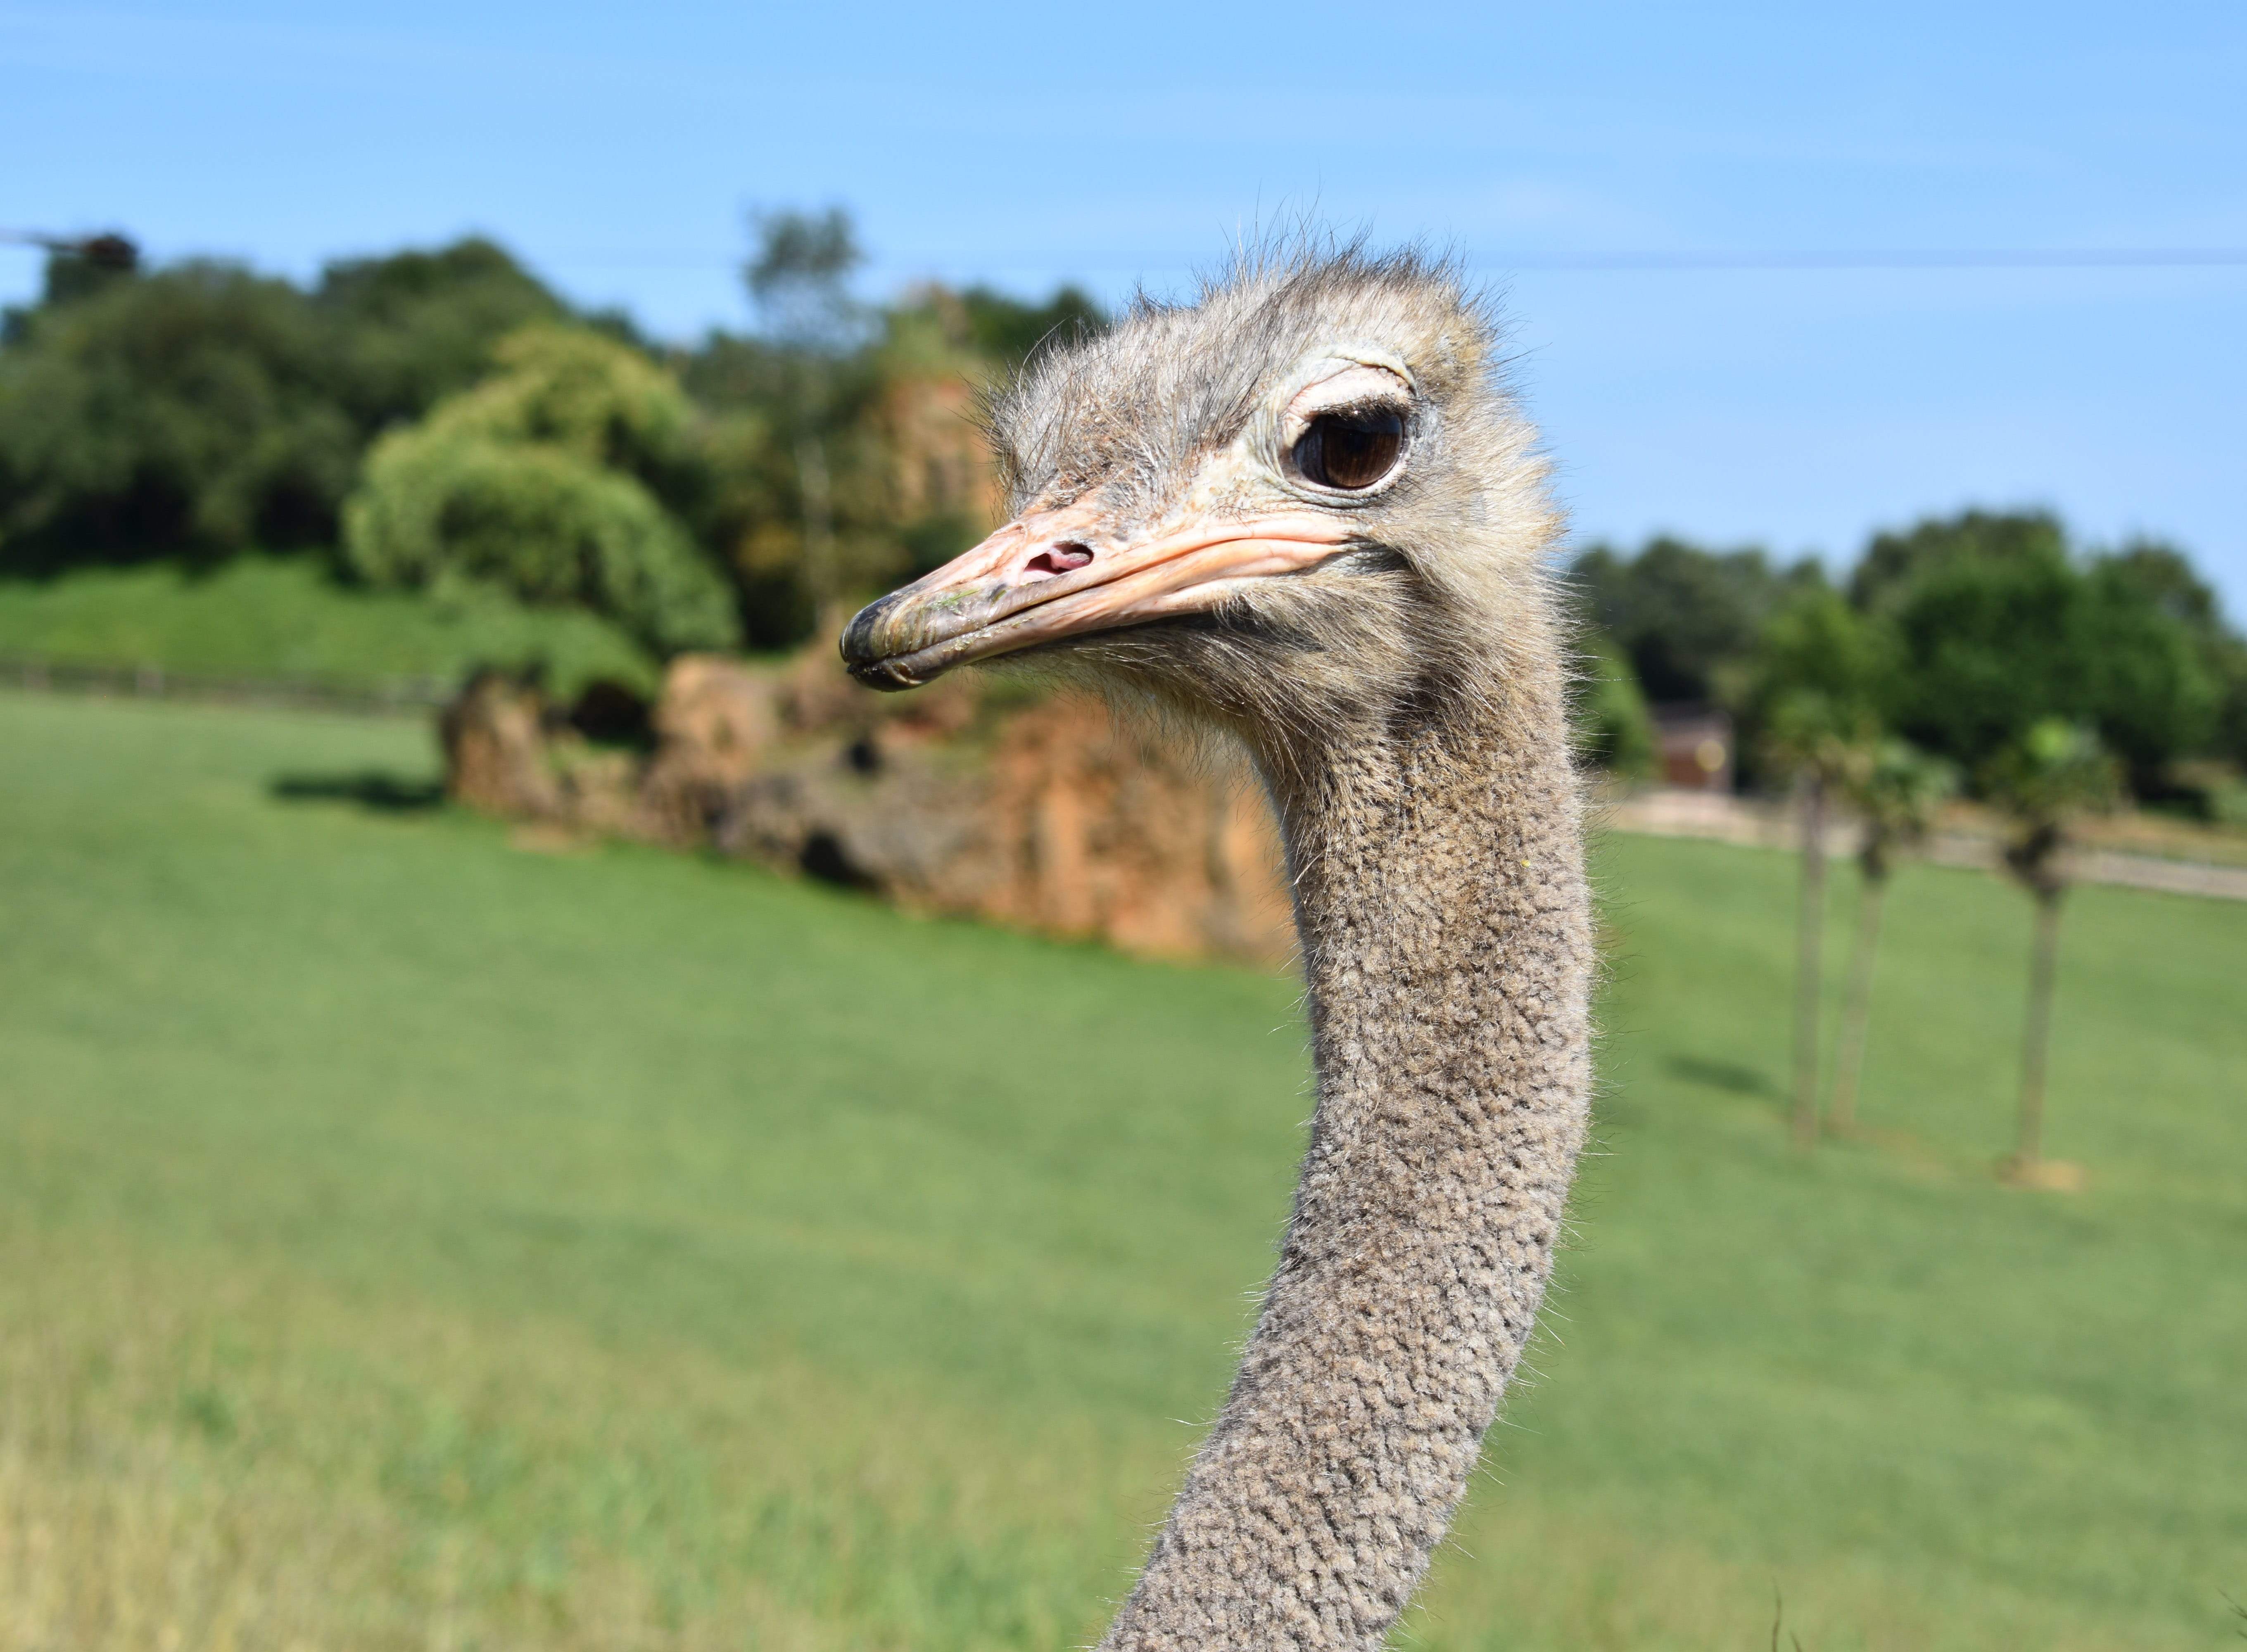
{"x": 410, "y": 1241}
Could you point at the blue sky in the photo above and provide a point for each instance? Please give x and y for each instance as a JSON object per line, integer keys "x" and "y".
{"x": 618, "y": 148}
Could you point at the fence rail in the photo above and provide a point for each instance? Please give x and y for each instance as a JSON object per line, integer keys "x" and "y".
{"x": 383, "y": 696}
{"x": 1725, "y": 819}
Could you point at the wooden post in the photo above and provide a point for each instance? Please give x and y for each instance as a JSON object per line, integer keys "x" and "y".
{"x": 2044, "y": 962}
{"x": 1809, "y": 958}
{"x": 1857, "y": 1006}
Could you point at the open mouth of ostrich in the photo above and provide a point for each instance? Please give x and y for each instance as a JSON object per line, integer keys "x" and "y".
{"x": 1054, "y": 574}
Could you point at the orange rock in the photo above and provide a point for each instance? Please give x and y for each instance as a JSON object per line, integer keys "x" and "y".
{"x": 714, "y": 724}
{"x": 1049, "y": 819}
{"x": 495, "y": 750}
{"x": 1035, "y": 811}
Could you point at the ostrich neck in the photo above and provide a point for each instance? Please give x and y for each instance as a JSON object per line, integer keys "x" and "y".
{"x": 1441, "y": 903}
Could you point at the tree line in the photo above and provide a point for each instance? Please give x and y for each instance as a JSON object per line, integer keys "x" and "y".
{"x": 1959, "y": 634}
{"x": 441, "y": 418}
{"x": 1983, "y": 653}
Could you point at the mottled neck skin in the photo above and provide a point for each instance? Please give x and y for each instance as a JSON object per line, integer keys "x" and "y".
{"x": 1440, "y": 897}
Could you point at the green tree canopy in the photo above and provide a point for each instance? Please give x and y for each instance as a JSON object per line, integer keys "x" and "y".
{"x": 200, "y": 408}
{"x": 1988, "y": 644}
{"x": 1817, "y": 644}
{"x": 2160, "y": 577}
{"x": 2150, "y": 683}
{"x": 1895, "y": 562}
{"x": 1681, "y": 614}
{"x": 1815, "y": 687}
{"x": 542, "y": 481}
{"x": 1005, "y": 329}
{"x": 2001, "y": 628}
{"x": 415, "y": 326}
{"x": 192, "y": 409}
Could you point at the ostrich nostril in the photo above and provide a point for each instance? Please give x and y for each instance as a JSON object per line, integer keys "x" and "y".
{"x": 1059, "y": 559}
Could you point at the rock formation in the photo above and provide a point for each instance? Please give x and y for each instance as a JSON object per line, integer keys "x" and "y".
{"x": 980, "y": 800}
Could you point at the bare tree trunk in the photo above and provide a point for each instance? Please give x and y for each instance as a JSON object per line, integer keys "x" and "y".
{"x": 2044, "y": 962}
{"x": 1857, "y": 1005}
{"x": 819, "y": 571}
{"x": 1809, "y": 956}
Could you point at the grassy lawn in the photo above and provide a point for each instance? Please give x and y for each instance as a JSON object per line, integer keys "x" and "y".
{"x": 285, "y": 618}
{"x": 408, "y": 1240}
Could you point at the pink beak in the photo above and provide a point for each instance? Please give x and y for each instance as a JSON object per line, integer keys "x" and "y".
{"x": 1052, "y": 574}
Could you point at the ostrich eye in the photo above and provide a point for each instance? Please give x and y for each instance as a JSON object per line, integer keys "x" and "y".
{"x": 1351, "y": 450}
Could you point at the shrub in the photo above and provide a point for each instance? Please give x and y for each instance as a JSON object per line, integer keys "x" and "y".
{"x": 541, "y": 481}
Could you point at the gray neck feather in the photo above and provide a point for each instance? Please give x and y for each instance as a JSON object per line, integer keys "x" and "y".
{"x": 1441, "y": 902}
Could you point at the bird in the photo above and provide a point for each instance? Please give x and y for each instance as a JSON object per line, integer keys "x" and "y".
{"x": 1303, "y": 509}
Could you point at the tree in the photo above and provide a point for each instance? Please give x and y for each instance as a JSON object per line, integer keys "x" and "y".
{"x": 841, "y": 445}
{"x": 1818, "y": 676}
{"x": 871, "y": 502}
{"x": 2001, "y": 626}
{"x": 2149, "y": 683}
{"x": 1894, "y": 564}
{"x": 544, "y": 481}
{"x": 200, "y": 409}
{"x": 2212, "y": 690}
{"x": 1005, "y": 329}
{"x": 2230, "y": 659}
{"x": 187, "y": 411}
{"x": 410, "y": 328}
{"x": 799, "y": 279}
{"x": 1683, "y": 615}
{"x": 1897, "y": 795}
{"x": 1990, "y": 641}
{"x": 2044, "y": 781}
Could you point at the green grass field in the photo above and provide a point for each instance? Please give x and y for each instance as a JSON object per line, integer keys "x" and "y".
{"x": 285, "y": 617}
{"x": 408, "y": 1240}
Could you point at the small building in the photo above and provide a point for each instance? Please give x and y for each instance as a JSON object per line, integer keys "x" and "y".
{"x": 1694, "y": 746}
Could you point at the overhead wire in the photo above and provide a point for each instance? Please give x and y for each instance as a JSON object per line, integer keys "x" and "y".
{"x": 1803, "y": 260}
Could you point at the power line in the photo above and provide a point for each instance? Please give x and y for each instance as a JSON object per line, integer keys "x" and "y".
{"x": 1666, "y": 261}
{"x": 1862, "y": 259}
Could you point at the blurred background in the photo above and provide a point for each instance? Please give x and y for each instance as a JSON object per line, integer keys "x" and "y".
{"x": 516, "y": 1123}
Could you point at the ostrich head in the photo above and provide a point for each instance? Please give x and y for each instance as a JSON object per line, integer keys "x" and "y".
{"x": 1283, "y": 508}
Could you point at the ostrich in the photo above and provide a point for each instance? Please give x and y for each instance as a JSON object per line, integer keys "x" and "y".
{"x": 1305, "y": 511}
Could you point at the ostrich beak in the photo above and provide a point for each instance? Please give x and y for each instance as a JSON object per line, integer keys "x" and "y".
{"x": 1052, "y": 574}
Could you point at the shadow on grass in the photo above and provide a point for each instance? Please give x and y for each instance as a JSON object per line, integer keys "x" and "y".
{"x": 1730, "y": 1077}
{"x": 369, "y": 789}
